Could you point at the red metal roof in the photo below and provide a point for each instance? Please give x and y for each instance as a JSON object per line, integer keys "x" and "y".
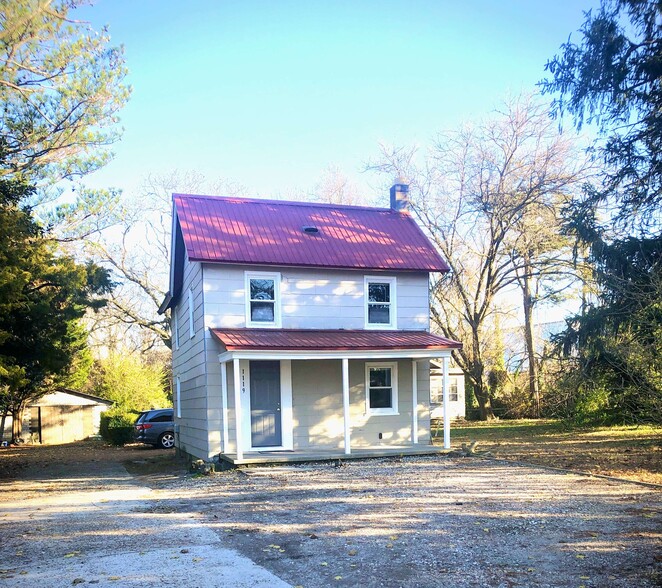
{"x": 270, "y": 232}
{"x": 329, "y": 340}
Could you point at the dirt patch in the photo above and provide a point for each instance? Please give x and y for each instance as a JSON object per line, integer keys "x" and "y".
{"x": 399, "y": 522}
{"x": 31, "y": 460}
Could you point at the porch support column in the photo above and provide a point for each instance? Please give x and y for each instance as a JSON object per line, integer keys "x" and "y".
{"x": 224, "y": 404}
{"x": 447, "y": 422}
{"x": 345, "y": 403}
{"x": 237, "y": 408}
{"x": 414, "y": 400}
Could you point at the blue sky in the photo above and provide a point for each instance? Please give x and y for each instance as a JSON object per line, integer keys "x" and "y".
{"x": 270, "y": 93}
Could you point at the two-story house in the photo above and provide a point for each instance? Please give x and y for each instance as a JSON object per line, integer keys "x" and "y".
{"x": 300, "y": 328}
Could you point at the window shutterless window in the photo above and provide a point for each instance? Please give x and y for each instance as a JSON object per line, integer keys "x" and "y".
{"x": 178, "y": 397}
{"x": 191, "y": 323}
{"x": 452, "y": 389}
{"x": 174, "y": 327}
{"x": 382, "y": 388}
{"x": 262, "y": 299}
{"x": 436, "y": 390}
{"x": 380, "y": 302}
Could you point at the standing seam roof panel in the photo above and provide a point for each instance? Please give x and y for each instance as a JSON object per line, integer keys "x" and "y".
{"x": 235, "y": 230}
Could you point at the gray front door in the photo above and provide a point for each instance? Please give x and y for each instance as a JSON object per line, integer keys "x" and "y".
{"x": 265, "y": 404}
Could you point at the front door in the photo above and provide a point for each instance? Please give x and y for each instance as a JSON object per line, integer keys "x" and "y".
{"x": 265, "y": 404}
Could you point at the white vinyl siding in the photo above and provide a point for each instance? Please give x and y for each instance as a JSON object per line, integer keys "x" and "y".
{"x": 313, "y": 298}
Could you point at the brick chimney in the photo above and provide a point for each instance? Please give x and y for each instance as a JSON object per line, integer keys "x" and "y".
{"x": 400, "y": 195}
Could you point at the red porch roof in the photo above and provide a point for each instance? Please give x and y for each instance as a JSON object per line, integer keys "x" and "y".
{"x": 271, "y": 232}
{"x": 329, "y": 340}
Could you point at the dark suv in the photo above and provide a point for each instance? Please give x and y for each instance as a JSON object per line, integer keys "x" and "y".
{"x": 156, "y": 427}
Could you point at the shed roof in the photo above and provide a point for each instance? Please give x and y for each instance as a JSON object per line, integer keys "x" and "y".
{"x": 329, "y": 340}
{"x": 272, "y": 232}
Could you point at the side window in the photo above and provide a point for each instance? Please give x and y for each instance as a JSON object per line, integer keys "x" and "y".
{"x": 178, "y": 397}
{"x": 382, "y": 388}
{"x": 164, "y": 417}
{"x": 262, "y": 299}
{"x": 191, "y": 323}
{"x": 380, "y": 309}
{"x": 436, "y": 389}
{"x": 452, "y": 389}
{"x": 174, "y": 329}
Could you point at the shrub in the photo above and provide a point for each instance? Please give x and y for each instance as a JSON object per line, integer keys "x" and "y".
{"x": 116, "y": 428}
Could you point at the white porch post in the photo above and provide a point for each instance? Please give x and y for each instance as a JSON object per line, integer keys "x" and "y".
{"x": 224, "y": 404}
{"x": 345, "y": 403}
{"x": 237, "y": 408}
{"x": 447, "y": 422}
{"x": 414, "y": 400}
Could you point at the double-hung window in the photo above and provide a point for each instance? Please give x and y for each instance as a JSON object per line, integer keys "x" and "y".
{"x": 381, "y": 388}
{"x": 380, "y": 308}
{"x": 262, "y": 299}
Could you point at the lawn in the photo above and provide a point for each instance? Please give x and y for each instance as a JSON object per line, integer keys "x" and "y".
{"x": 628, "y": 452}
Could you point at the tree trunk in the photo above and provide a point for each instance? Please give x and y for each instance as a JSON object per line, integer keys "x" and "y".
{"x": 481, "y": 391}
{"x": 527, "y": 304}
{"x": 3, "y": 420}
{"x": 17, "y": 424}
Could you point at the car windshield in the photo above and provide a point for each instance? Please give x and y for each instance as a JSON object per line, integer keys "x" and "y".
{"x": 140, "y": 418}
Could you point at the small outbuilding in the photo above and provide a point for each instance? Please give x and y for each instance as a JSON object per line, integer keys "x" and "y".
{"x": 64, "y": 416}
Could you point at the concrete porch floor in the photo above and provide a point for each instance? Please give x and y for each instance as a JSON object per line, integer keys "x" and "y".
{"x": 301, "y": 456}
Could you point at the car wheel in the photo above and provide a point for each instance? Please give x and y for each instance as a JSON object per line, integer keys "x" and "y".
{"x": 167, "y": 440}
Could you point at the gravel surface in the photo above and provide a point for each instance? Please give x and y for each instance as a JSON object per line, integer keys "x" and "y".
{"x": 420, "y": 521}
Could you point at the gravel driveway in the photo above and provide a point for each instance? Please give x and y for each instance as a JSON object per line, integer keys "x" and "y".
{"x": 423, "y": 521}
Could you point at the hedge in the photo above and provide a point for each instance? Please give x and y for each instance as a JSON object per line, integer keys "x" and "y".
{"x": 117, "y": 428}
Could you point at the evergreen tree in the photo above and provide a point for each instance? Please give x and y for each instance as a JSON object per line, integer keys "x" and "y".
{"x": 613, "y": 80}
{"x": 43, "y": 294}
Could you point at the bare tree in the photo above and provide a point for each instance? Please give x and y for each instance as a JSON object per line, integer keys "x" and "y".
{"x": 137, "y": 250}
{"x": 476, "y": 192}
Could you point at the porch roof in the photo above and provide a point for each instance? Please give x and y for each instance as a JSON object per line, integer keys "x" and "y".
{"x": 330, "y": 340}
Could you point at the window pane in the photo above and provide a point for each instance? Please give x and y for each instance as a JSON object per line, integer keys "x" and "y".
{"x": 262, "y": 289}
{"x": 380, "y": 398}
{"x": 262, "y": 312}
{"x": 379, "y": 292}
{"x": 452, "y": 389}
{"x": 379, "y": 314}
{"x": 380, "y": 377}
{"x": 435, "y": 393}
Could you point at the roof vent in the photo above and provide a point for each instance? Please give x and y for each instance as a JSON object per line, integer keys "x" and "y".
{"x": 310, "y": 230}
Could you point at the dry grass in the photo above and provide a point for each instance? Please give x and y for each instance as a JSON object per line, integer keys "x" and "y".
{"x": 633, "y": 453}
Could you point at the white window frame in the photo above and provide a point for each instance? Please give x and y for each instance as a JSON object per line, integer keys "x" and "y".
{"x": 393, "y": 315}
{"x": 394, "y": 388}
{"x": 178, "y": 397}
{"x": 174, "y": 328}
{"x": 275, "y": 276}
{"x": 191, "y": 322}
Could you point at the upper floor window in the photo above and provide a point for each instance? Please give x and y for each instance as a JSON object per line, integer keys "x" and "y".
{"x": 380, "y": 302}
{"x": 191, "y": 318}
{"x": 174, "y": 328}
{"x": 262, "y": 299}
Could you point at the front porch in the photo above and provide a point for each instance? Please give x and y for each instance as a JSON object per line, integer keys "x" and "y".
{"x": 292, "y": 396}
{"x": 303, "y": 456}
